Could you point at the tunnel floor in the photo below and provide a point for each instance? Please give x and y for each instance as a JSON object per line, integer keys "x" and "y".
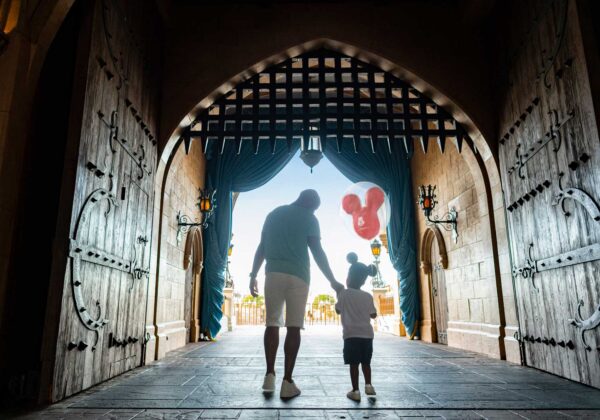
{"x": 223, "y": 379}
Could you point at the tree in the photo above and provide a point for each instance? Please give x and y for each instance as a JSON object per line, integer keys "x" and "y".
{"x": 249, "y": 299}
{"x": 323, "y": 298}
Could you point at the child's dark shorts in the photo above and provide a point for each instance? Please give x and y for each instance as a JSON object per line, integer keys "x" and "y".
{"x": 358, "y": 350}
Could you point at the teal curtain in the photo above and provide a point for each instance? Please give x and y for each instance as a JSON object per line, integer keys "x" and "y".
{"x": 227, "y": 172}
{"x": 391, "y": 171}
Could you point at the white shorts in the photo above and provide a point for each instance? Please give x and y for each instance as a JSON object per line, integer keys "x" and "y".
{"x": 280, "y": 289}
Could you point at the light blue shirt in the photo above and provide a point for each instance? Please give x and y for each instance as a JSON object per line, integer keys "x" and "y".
{"x": 285, "y": 240}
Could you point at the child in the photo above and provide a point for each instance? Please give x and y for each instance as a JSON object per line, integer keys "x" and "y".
{"x": 357, "y": 309}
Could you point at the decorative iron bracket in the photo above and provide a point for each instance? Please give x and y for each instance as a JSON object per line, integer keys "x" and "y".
{"x": 449, "y": 222}
{"x": 184, "y": 224}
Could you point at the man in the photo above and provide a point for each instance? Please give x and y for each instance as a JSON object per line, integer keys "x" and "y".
{"x": 289, "y": 231}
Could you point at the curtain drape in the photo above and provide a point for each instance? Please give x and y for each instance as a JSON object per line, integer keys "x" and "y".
{"x": 391, "y": 171}
{"x": 228, "y": 172}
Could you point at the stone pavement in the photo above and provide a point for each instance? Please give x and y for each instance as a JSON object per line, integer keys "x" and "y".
{"x": 413, "y": 379}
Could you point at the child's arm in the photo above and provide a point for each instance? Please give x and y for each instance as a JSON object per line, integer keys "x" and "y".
{"x": 338, "y": 304}
{"x": 373, "y": 310}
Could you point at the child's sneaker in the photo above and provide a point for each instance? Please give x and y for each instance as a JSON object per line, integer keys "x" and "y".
{"x": 369, "y": 390}
{"x": 353, "y": 395}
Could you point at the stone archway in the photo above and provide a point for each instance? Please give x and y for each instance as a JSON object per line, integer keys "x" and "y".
{"x": 478, "y": 157}
{"x": 428, "y": 316}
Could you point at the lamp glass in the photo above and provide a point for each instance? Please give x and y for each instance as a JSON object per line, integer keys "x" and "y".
{"x": 376, "y": 248}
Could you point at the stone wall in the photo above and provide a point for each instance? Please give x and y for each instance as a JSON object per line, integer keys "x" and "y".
{"x": 166, "y": 318}
{"x": 475, "y": 315}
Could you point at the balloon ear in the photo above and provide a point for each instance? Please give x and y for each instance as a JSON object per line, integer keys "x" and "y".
{"x": 350, "y": 203}
{"x": 374, "y": 198}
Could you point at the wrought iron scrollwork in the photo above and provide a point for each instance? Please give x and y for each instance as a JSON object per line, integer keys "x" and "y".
{"x": 447, "y": 221}
{"x": 578, "y": 195}
{"x": 577, "y": 256}
{"x": 554, "y": 134}
{"x": 81, "y": 252}
{"x": 529, "y": 269}
{"x": 585, "y": 324}
{"x": 548, "y": 62}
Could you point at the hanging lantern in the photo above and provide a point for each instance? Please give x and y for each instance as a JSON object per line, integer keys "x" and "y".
{"x": 230, "y": 250}
{"x": 311, "y": 151}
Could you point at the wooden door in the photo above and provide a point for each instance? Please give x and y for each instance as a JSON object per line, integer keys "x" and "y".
{"x": 188, "y": 301}
{"x": 104, "y": 288}
{"x": 438, "y": 291}
{"x": 549, "y": 162}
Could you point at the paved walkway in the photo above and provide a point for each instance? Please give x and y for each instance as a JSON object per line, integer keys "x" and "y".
{"x": 412, "y": 379}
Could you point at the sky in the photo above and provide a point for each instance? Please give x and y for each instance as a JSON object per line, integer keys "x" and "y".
{"x": 337, "y": 239}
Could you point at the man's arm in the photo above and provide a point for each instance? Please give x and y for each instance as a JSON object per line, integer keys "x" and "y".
{"x": 314, "y": 243}
{"x": 259, "y": 257}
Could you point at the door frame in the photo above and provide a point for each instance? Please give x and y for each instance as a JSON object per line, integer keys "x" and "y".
{"x": 193, "y": 255}
{"x": 431, "y": 233}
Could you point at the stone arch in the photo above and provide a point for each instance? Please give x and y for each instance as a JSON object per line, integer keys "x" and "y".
{"x": 479, "y": 158}
{"x": 432, "y": 233}
{"x": 395, "y": 69}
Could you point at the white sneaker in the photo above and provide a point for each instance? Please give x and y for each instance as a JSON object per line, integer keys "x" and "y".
{"x": 289, "y": 390}
{"x": 369, "y": 390}
{"x": 269, "y": 383}
{"x": 353, "y": 395}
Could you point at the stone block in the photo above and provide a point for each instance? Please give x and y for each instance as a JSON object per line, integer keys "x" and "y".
{"x": 475, "y": 310}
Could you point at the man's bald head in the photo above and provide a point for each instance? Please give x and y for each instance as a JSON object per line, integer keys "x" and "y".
{"x": 309, "y": 199}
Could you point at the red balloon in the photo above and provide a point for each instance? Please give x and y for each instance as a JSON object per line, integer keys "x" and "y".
{"x": 364, "y": 219}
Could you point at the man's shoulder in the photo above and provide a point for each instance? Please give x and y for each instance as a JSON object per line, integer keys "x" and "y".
{"x": 366, "y": 294}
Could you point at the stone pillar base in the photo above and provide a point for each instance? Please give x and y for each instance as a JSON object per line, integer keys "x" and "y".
{"x": 476, "y": 337}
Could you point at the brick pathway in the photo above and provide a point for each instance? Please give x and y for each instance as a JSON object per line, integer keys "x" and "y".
{"x": 412, "y": 379}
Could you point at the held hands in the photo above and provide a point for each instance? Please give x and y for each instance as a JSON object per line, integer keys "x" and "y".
{"x": 253, "y": 286}
{"x": 337, "y": 286}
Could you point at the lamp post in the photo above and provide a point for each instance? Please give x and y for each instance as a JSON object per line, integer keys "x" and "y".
{"x": 377, "y": 282}
{"x": 427, "y": 202}
{"x": 228, "y": 277}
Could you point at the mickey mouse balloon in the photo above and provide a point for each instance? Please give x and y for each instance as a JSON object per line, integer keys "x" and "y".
{"x": 365, "y": 209}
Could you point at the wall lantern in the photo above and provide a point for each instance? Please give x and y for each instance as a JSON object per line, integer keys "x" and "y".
{"x": 206, "y": 202}
{"x": 207, "y": 205}
{"x": 311, "y": 151}
{"x": 427, "y": 203}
